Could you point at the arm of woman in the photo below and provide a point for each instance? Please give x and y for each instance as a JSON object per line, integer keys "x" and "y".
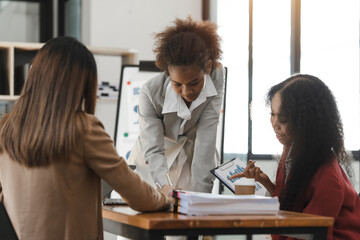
{"x": 152, "y": 134}
{"x": 101, "y": 156}
{"x": 205, "y": 142}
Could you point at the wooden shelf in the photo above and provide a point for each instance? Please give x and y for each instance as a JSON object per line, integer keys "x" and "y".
{"x": 14, "y": 55}
{"x": 8, "y": 98}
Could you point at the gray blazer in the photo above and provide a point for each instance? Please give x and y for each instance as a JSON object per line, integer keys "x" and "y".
{"x": 200, "y": 131}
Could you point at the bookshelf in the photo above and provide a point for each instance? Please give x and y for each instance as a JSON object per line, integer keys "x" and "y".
{"x": 15, "y": 55}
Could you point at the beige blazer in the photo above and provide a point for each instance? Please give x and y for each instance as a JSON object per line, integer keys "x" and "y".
{"x": 159, "y": 131}
{"x": 63, "y": 200}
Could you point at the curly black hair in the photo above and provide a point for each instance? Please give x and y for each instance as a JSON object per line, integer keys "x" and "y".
{"x": 188, "y": 43}
{"x": 316, "y": 130}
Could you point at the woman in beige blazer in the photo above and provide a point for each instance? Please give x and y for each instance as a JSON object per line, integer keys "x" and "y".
{"x": 179, "y": 109}
{"x": 54, "y": 152}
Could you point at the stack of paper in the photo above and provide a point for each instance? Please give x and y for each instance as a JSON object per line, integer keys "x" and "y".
{"x": 193, "y": 203}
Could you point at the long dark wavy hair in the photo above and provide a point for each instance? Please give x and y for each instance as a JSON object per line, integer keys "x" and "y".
{"x": 316, "y": 129}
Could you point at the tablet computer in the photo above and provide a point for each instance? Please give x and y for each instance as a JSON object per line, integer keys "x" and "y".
{"x": 229, "y": 168}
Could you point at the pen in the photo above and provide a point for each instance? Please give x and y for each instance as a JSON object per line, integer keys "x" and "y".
{"x": 158, "y": 186}
{"x": 169, "y": 179}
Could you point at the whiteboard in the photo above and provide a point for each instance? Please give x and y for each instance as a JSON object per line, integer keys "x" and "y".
{"x": 126, "y": 122}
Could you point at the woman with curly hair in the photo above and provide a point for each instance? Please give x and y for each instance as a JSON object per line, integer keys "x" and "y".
{"x": 179, "y": 109}
{"x": 309, "y": 178}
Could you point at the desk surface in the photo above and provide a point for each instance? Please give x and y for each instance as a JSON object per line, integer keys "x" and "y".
{"x": 164, "y": 220}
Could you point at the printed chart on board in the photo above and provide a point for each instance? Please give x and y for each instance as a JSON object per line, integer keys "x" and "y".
{"x": 127, "y": 125}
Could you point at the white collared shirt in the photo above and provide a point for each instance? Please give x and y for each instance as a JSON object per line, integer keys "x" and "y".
{"x": 174, "y": 102}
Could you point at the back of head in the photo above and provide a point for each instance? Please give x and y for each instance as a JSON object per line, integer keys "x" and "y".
{"x": 60, "y": 86}
{"x": 188, "y": 43}
{"x": 63, "y": 70}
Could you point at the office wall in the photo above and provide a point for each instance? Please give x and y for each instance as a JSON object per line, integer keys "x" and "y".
{"x": 127, "y": 24}
{"x": 130, "y": 23}
{"x": 22, "y": 21}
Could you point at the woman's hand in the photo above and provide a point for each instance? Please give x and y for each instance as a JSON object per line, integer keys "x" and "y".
{"x": 252, "y": 171}
{"x": 166, "y": 190}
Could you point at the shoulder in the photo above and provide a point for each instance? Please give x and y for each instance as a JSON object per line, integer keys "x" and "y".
{"x": 218, "y": 76}
{"x": 332, "y": 168}
{"x": 93, "y": 120}
{"x": 94, "y": 133}
{"x": 218, "y": 72}
{"x": 156, "y": 83}
{"x": 325, "y": 184}
{"x": 90, "y": 124}
{"x": 154, "y": 89}
{"x": 329, "y": 175}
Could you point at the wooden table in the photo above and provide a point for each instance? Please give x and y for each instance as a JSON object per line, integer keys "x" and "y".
{"x": 123, "y": 221}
